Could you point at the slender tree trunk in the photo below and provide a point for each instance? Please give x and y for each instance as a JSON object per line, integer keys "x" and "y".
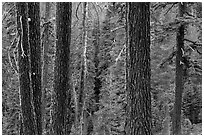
{"x": 35, "y": 58}
{"x": 24, "y": 67}
{"x": 62, "y": 91}
{"x": 176, "y": 122}
{"x": 45, "y": 62}
{"x": 138, "y": 95}
{"x": 84, "y": 122}
{"x": 97, "y": 81}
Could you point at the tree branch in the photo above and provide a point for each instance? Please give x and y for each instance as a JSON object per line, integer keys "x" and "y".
{"x": 76, "y": 12}
{"x": 170, "y": 8}
{"x": 193, "y": 42}
{"x": 169, "y": 58}
{"x": 117, "y": 28}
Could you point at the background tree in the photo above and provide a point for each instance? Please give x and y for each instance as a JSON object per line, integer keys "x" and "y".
{"x": 46, "y": 45}
{"x": 35, "y": 59}
{"x": 24, "y": 69}
{"x": 62, "y": 92}
{"x": 176, "y": 122}
{"x": 138, "y": 94}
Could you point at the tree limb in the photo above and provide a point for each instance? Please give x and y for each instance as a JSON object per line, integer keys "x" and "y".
{"x": 170, "y": 8}
{"x": 169, "y": 58}
{"x": 76, "y": 12}
{"x": 117, "y": 28}
{"x": 193, "y": 42}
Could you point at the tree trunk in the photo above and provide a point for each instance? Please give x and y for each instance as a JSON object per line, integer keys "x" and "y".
{"x": 62, "y": 91}
{"x": 83, "y": 95}
{"x": 176, "y": 122}
{"x": 97, "y": 81}
{"x": 35, "y": 58}
{"x": 24, "y": 67}
{"x": 138, "y": 94}
{"x": 45, "y": 62}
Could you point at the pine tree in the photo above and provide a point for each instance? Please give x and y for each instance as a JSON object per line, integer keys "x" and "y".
{"x": 35, "y": 59}
{"x": 24, "y": 69}
{"x": 45, "y": 61}
{"x": 176, "y": 122}
{"x": 62, "y": 91}
{"x": 138, "y": 108}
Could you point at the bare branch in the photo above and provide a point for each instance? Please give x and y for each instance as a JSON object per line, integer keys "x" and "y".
{"x": 76, "y": 12}
{"x": 117, "y": 28}
{"x": 193, "y": 42}
{"x": 95, "y": 10}
{"x": 169, "y": 58}
{"x": 170, "y": 8}
{"x": 116, "y": 60}
{"x": 162, "y": 5}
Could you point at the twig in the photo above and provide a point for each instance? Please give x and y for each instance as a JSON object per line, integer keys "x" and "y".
{"x": 117, "y": 28}
{"x": 116, "y": 60}
{"x": 23, "y": 53}
{"x": 76, "y": 12}
{"x": 193, "y": 42}
{"x": 167, "y": 59}
{"x": 170, "y": 8}
{"x": 189, "y": 14}
{"x": 96, "y": 12}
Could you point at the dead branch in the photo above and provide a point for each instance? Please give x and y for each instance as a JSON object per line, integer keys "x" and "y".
{"x": 169, "y": 58}
{"x": 76, "y": 12}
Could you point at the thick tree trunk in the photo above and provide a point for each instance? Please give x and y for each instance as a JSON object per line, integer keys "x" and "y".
{"x": 45, "y": 62}
{"x": 176, "y": 122}
{"x": 138, "y": 95}
{"x": 24, "y": 67}
{"x": 62, "y": 91}
{"x": 35, "y": 58}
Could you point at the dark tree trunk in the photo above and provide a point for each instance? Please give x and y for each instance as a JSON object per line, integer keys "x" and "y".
{"x": 97, "y": 81}
{"x": 176, "y": 122}
{"x": 45, "y": 62}
{"x": 138, "y": 95}
{"x": 35, "y": 58}
{"x": 24, "y": 73}
{"x": 62, "y": 91}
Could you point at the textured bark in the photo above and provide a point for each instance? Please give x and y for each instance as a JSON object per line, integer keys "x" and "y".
{"x": 45, "y": 62}
{"x": 83, "y": 65}
{"x": 176, "y": 122}
{"x": 62, "y": 91}
{"x": 138, "y": 94}
{"x": 35, "y": 59}
{"x": 97, "y": 81}
{"x": 83, "y": 96}
{"x": 24, "y": 73}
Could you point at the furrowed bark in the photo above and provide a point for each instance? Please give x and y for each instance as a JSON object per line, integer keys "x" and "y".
{"x": 138, "y": 94}
{"x": 35, "y": 59}
{"x": 62, "y": 91}
{"x": 176, "y": 121}
{"x": 24, "y": 69}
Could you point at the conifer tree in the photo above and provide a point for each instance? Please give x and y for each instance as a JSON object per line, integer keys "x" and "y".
{"x": 35, "y": 59}
{"x": 62, "y": 92}
{"x": 176, "y": 121}
{"x": 24, "y": 69}
{"x": 138, "y": 108}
